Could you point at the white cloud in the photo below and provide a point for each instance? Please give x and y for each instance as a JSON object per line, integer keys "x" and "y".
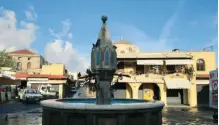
{"x": 12, "y": 37}
{"x": 31, "y": 14}
{"x": 66, "y": 25}
{"x": 164, "y": 42}
{"x": 61, "y": 50}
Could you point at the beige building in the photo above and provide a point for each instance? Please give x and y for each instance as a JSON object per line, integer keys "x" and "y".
{"x": 53, "y": 74}
{"x": 33, "y": 70}
{"x": 27, "y": 61}
{"x": 165, "y": 76}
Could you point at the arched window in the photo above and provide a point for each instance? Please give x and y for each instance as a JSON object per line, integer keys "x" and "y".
{"x": 28, "y": 65}
{"x": 107, "y": 57}
{"x": 19, "y": 65}
{"x": 97, "y": 58}
{"x": 200, "y": 65}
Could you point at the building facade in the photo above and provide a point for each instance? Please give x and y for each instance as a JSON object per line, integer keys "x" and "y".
{"x": 33, "y": 70}
{"x": 213, "y": 89}
{"x": 176, "y": 78}
{"x": 27, "y": 61}
{"x": 172, "y": 77}
{"x": 52, "y": 74}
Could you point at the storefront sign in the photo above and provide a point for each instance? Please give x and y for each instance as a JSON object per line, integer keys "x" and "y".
{"x": 213, "y": 86}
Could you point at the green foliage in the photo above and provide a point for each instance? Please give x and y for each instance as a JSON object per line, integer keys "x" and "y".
{"x": 6, "y": 60}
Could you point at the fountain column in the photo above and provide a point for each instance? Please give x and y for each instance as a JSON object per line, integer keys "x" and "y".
{"x": 103, "y": 64}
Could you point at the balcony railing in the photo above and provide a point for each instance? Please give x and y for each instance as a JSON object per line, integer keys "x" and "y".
{"x": 152, "y": 72}
{"x": 150, "y": 76}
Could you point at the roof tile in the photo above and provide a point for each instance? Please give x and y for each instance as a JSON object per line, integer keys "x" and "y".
{"x": 23, "y": 51}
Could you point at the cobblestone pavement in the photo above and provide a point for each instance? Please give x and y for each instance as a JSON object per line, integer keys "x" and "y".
{"x": 177, "y": 116}
{"x": 32, "y": 115}
{"x": 16, "y": 106}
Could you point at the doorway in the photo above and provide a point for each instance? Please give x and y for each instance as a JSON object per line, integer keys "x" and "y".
{"x": 175, "y": 96}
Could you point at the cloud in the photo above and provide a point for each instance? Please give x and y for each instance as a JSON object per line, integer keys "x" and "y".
{"x": 140, "y": 38}
{"x": 31, "y": 14}
{"x": 66, "y": 24}
{"x": 61, "y": 50}
{"x": 12, "y": 37}
{"x": 164, "y": 42}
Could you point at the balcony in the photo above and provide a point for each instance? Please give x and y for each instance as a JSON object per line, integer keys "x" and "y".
{"x": 150, "y": 77}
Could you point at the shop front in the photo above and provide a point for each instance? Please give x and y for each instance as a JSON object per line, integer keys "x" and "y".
{"x": 213, "y": 89}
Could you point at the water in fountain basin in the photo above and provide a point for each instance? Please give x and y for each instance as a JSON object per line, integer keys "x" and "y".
{"x": 93, "y": 101}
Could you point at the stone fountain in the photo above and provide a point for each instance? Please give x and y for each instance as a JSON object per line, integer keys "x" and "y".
{"x": 103, "y": 110}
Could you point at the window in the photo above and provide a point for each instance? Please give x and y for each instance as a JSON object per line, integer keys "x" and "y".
{"x": 28, "y": 65}
{"x": 107, "y": 57}
{"x": 130, "y": 49}
{"x": 29, "y": 58}
{"x": 97, "y": 58}
{"x": 19, "y": 65}
{"x": 50, "y": 89}
{"x": 44, "y": 89}
{"x": 200, "y": 65}
{"x": 19, "y": 58}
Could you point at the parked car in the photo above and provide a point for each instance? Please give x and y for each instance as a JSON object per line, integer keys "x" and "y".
{"x": 30, "y": 95}
{"x": 48, "y": 91}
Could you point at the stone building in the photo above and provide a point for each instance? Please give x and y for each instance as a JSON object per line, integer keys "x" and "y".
{"x": 27, "y": 61}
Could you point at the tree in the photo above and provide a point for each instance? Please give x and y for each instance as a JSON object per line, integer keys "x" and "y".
{"x": 6, "y": 60}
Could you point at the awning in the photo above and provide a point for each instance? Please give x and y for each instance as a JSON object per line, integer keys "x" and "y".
{"x": 176, "y": 83}
{"x": 178, "y": 62}
{"x": 149, "y": 62}
{"x": 203, "y": 82}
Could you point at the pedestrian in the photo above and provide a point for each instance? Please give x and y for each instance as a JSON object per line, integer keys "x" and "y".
{"x": 16, "y": 91}
{"x": 6, "y": 96}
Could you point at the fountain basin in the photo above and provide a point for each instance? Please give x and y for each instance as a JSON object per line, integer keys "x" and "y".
{"x": 84, "y": 111}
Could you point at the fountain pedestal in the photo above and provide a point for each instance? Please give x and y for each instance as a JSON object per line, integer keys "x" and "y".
{"x": 103, "y": 96}
{"x": 70, "y": 112}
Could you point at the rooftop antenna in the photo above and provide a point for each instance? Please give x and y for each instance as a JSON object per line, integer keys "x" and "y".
{"x": 209, "y": 48}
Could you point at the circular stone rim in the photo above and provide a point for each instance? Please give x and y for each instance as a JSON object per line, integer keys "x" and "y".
{"x": 53, "y": 103}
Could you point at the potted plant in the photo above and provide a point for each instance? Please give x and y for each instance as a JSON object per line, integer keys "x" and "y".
{"x": 164, "y": 67}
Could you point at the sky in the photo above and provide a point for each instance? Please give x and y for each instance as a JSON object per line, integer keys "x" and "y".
{"x": 63, "y": 31}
